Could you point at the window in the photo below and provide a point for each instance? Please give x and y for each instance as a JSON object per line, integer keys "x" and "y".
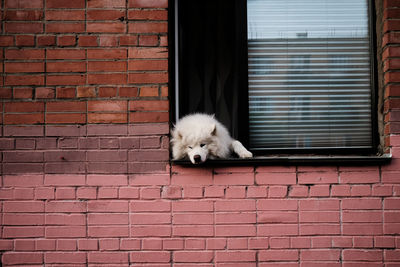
{"x": 282, "y": 75}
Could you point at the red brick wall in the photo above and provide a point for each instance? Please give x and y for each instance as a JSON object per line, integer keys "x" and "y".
{"x": 84, "y": 157}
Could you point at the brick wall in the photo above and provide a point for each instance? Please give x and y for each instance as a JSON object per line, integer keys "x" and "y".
{"x": 84, "y": 157}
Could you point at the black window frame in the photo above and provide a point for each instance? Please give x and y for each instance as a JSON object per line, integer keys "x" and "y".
{"x": 243, "y": 135}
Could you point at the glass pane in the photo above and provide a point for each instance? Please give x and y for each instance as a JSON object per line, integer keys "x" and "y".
{"x": 309, "y": 74}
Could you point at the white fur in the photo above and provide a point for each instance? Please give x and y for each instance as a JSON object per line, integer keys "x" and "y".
{"x": 201, "y": 136}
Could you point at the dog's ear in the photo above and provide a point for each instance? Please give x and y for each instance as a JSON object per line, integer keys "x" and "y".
{"x": 176, "y": 134}
{"x": 214, "y": 129}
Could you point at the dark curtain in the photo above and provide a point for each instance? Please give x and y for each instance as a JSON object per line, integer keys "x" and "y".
{"x": 213, "y": 61}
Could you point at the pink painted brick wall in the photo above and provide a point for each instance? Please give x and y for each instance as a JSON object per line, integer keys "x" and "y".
{"x": 85, "y": 174}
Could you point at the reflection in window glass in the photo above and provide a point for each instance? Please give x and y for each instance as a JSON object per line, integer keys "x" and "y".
{"x": 309, "y": 74}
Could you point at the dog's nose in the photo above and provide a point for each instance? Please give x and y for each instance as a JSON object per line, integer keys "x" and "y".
{"x": 197, "y": 158}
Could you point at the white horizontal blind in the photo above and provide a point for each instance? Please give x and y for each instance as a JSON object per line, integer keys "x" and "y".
{"x": 309, "y": 74}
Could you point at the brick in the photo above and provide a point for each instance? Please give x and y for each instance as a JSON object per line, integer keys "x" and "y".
{"x": 277, "y": 230}
{"x": 362, "y": 229}
{"x": 149, "y": 129}
{"x": 109, "y": 244}
{"x": 278, "y": 255}
{"x": 11, "y": 258}
{"x": 148, "y": 40}
{"x": 105, "y": 27}
{"x": 384, "y": 242}
{"x": 326, "y": 205}
{"x": 65, "y": 54}
{"x": 235, "y": 230}
{"x": 363, "y": 242}
{"x": 235, "y": 205}
{"x": 65, "y": 257}
{"x": 150, "y": 206}
{"x": 216, "y": 243}
{"x": 145, "y": 14}
{"x": 100, "y": 66}
{"x": 150, "y": 193}
{"x": 108, "y": 231}
{"x": 151, "y": 231}
{"x": 235, "y": 218}
{"x": 189, "y": 205}
{"x": 130, "y": 244}
{"x": 25, "y": 54}
{"x": 275, "y": 178}
{"x": 25, "y": 40}
{"x": 23, "y": 27}
{"x": 110, "y": 14}
{"x": 6, "y": 41}
{"x": 24, "y": 245}
{"x": 23, "y": 232}
{"x": 149, "y": 53}
{"x": 15, "y": 168}
{"x": 64, "y": 27}
{"x": 150, "y": 179}
{"x": 24, "y": 80}
{"x": 362, "y": 255}
{"x": 279, "y": 243}
{"x": 272, "y": 204}
{"x": 234, "y": 179}
{"x": 128, "y": 192}
{"x": 66, "y": 80}
{"x": 235, "y": 256}
{"x": 21, "y": 67}
{"x": 23, "y": 206}
{"x": 193, "y": 218}
{"x": 148, "y": 4}
{"x": 65, "y": 15}
{"x": 322, "y": 229}
{"x": 193, "y": 256}
{"x": 107, "y": 167}
{"x": 145, "y": 78}
{"x": 106, "y": 4}
{"x": 46, "y": 40}
{"x": 193, "y": 231}
{"x": 277, "y": 217}
{"x": 318, "y": 178}
{"x": 150, "y": 218}
{"x": 65, "y": 219}
{"x": 201, "y": 178}
{"x": 277, "y": 191}
{"x": 360, "y": 177}
{"x": 148, "y": 27}
{"x": 20, "y": 219}
{"x": 108, "y": 257}
{"x": 319, "y": 217}
{"x": 116, "y": 78}
{"x": 66, "y": 206}
{"x": 318, "y": 255}
{"x": 128, "y": 40}
{"x": 87, "y": 244}
{"x": 65, "y": 4}
{"x": 150, "y": 257}
{"x": 340, "y": 190}
{"x": 214, "y": 191}
{"x": 359, "y": 204}
{"x": 87, "y": 41}
{"x": 22, "y": 180}
{"x": 108, "y": 206}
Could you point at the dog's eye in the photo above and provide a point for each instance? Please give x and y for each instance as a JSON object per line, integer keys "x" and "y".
{"x": 201, "y": 145}
{"x": 190, "y": 147}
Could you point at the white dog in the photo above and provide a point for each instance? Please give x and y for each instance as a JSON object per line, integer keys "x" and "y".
{"x": 201, "y": 136}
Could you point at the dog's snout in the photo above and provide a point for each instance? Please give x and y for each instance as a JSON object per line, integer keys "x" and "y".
{"x": 197, "y": 158}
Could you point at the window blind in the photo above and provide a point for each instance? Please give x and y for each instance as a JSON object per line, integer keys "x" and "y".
{"x": 309, "y": 74}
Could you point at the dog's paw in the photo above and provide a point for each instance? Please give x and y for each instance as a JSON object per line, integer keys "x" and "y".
{"x": 245, "y": 154}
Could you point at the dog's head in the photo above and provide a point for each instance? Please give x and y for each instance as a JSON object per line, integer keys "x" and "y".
{"x": 196, "y": 145}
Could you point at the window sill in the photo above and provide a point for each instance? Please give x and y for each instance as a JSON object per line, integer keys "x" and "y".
{"x": 293, "y": 160}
